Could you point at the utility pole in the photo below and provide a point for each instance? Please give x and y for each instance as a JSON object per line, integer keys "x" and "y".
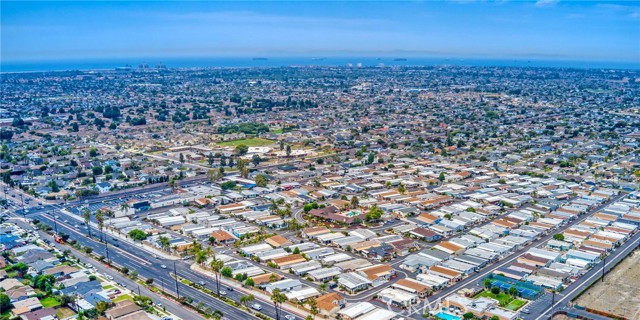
{"x": 139, "y": 291}
{"x": 604, "y": 263}
{"x": 24, "y": 214}
{"x": 175, "y": 273}
{"x": 106, "y": 249}
{"x": 55, "y": 222}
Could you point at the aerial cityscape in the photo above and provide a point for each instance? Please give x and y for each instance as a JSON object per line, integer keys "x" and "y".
{"x": 383, "y": 181}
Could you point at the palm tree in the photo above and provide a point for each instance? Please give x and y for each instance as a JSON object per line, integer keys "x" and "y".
{"x": 216, "y": 265}
{"x": 278, "y": 298}
{"x": 246, "y": 299}
{"x": 201, "y": 257}
{"x": 164, "y": 242}
{"x": 100, "y": 219}
{"x": 125, "y": 207}
{"x": 195, "y": 247}
{"x": 274, "y": 206}
{"x": 313, "y": 306}
{"x": 354, "y": 202}
{"x": 86, "y": 214}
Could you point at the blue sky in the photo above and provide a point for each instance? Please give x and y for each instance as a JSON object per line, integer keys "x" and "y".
{"x": 546, "y": 29}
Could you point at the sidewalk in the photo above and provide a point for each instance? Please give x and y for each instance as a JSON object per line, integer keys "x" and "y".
{"x": 257, "y": 294}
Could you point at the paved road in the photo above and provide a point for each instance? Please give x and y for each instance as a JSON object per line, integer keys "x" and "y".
{"x": 474, "y": 278}
{"x": 131, "y": 256}
{"x": 590, "y": 277}
{"x": 170, "y": 305}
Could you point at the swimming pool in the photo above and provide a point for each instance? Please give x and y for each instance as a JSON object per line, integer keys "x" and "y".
{"x": 446, "y": 316}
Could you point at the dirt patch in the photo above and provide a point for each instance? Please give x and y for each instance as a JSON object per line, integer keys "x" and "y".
{"x": 618, "y": 294}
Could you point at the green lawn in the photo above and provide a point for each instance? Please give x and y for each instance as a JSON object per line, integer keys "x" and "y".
{"x": 50, "y": 302}
{"x": 505, "y": 300}
{"x": 251, "y": 142}
{"x": 122, "y": 297}
{"x": 107, "y": 287}
{"x": 515, "y": 304}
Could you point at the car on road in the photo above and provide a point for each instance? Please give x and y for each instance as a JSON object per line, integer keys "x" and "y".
{"x": 163, "y": 266}
{"x": 222, "y": 292}
{"x": 290, "y": 317}
{"x": 229, "y": 289}
{"x": 256, "y": 306}
{"x": 201, "y": 283}
{"x": 525, "y": 311}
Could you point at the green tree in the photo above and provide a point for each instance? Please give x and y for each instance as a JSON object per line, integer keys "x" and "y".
{"x": 288, "y": 150}
{"x": 5, "y": 302}
{"x": 354, "y": 202}
{"x": 226, "y": 272}
{"x": 559, "y": 236}
{"x": 487, "y": 283}
{"x": 261, "y": 180}
{"x": 101, "y": 307}
{"x": 86, "y": 215}
{"x": 137, "y": 234}
{"x": 246, "y": 299}
{"x": 375, "y": 213}
{"x": 249, "y": 282}
{"x": 277, "y": 297}
{"x": 256, "y": 160}
{"x": 495, "y": 290}
{"x": 216, "y": 265}
{"x": 164, "y": 242}
{"x": 241, "y": 149}
{"x": 468, "y": 316}
{"x": 441, "y": 176}
{"x": 513, "y": 291}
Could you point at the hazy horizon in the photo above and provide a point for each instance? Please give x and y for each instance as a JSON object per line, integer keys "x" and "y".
{"x": 532, "y": 30}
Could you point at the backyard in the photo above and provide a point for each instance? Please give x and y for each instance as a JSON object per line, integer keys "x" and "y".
{"x": 505, "y": 300}
{"x": 250, "y": 142}
{"x": 49, "y": 302}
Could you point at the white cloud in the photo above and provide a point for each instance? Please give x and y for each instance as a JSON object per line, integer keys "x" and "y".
{"x": 546, "y": 3}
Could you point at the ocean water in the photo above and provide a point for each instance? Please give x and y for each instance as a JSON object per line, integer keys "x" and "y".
{"x": 33, "y": 66}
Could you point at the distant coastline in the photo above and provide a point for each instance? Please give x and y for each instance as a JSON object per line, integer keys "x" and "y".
{"x": 246, "y": 62}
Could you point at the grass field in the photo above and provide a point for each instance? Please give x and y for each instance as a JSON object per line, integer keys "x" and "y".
{"x": 122, "y": 297}
{"x": 505, "y": 300}
{"x": 50, "y": 302}
{"x": 63, "y": 313}
{"x": 251, "y": 142}
{"x": 515, "y": 304}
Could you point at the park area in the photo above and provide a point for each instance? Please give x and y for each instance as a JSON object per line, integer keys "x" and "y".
{"x": 618, "y": 293}
{"x": 250, "y": 142}
{"x": 504, "y": 299}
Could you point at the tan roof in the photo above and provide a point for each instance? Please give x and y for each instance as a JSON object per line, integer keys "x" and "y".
{"x": 264, "y": 278}
{"x": 412, "y": 284}
{"x": 221, "y": 235}
{"x": 328, "y": 301}
{"x": 277, "y": 240}
{"x": 288, "y": 259}
{"x": 444, "y": 270}
{"x": 122, "y": 308}
{"x": 373, "y": 272}
{"x": 450, "y": 246}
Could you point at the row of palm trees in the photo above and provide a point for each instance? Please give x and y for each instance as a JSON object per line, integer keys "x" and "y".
{"x": 215, "y": 264}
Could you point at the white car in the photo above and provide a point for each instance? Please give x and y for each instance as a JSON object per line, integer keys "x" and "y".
{"x": 222, "y": 292}
{"x": 256, "y": 306}
{"x": 290, "y": 317}
{"x": 163, "y": 266}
